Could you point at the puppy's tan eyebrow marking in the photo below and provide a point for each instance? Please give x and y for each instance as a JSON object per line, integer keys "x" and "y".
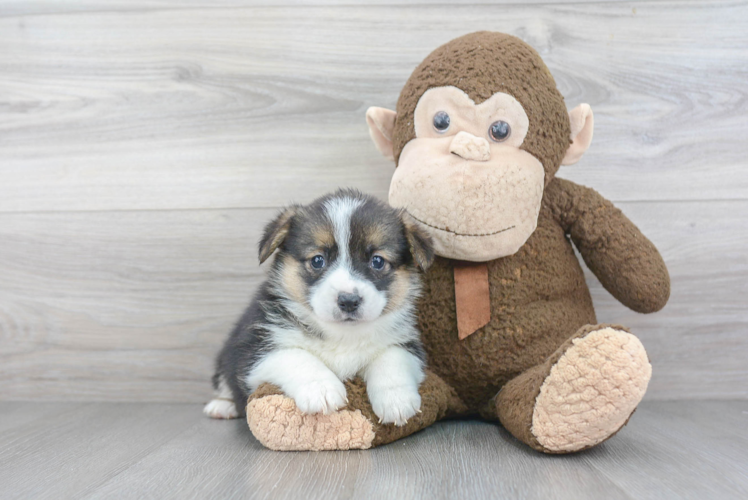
{"x": 323, "y": 236}
{"x": 376, "y": 235}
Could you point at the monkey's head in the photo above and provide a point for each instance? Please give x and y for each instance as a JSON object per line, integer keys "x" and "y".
{"x": 480, "y": 130}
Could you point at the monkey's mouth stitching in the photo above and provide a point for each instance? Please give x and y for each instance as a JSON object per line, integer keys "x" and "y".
{"x": 456, "y": 233}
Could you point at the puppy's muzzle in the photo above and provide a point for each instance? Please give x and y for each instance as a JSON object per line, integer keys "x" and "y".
{"x": 349, "y": 302}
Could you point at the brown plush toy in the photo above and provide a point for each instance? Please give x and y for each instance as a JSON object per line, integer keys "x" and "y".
{"x": 506, "y": 316}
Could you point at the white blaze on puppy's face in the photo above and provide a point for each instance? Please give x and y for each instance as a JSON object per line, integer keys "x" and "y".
{"x": 341, "y": 294}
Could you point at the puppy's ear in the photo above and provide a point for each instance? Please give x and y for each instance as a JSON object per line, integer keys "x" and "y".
{"x": 276, "y": 232}
{"x": 420, "y": 244}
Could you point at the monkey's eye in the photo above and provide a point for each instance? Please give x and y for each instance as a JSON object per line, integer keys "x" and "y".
{"x": 499, "y": 130}
{"x": 317, "y": 262}
{"x": 441, "y": 121}
{"x": 377, "y": 263}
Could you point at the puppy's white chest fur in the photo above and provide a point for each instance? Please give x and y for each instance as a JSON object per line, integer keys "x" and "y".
{"x": 348, "y": 349}
{"x": 346, "y": 360}
{"x": 311, "y": 369}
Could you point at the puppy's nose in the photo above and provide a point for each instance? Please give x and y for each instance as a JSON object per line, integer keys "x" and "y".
{"x": 348, "y": 302}
{"x": 470, "y": 147}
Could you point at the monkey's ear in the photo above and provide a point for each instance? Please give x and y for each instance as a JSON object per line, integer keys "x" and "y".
{"x": 275, "y": 232}
{"x": 381, "y": 123}
{"x": 419, "y": 242}
{"x": 582, "y": 123}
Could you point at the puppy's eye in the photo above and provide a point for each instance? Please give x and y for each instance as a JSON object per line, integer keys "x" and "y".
{"x": 317, "y": 262}
{"x": 377, "y": 263}
{"x": 499, "y": 131}
{"x": 441, "y": 121}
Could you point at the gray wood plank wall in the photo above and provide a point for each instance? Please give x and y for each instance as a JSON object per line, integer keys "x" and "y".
{"x": 143, "y": 145}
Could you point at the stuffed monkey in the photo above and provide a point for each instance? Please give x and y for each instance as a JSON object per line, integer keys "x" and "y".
{"x": 506, "y": 316}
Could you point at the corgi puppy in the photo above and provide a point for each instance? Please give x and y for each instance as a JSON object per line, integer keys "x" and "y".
{"x": 339, "y": 302}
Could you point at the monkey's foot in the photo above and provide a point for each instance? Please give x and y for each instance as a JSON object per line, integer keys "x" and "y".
{"x": 278, "y": 424}
{"x": 583, "y": 394}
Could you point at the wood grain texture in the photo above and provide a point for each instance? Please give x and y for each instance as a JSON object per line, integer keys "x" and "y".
{"x": 128, "y": 306}
{"x": 66, "y": 453}
{"x": 682, "y": 450}
{"x": 251, "y": 107}
{"x": 121, "y": 305}
{"x": 143, "y": 144}
{"x": 685, "y": 450}
{"x": 46, "y": 7}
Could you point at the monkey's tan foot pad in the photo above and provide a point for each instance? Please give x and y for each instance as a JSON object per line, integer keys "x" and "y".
{"x": 591, "y": 391}
{"x": 279, "y": 425}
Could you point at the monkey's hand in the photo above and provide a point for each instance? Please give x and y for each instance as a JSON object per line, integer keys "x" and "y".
{"x": 627, "y": 264}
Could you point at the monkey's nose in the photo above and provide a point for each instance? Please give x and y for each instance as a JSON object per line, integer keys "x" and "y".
{"x": 470, "y": 147}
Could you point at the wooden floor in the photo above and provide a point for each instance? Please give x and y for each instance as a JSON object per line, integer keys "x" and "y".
{"x": 694, "y": 449}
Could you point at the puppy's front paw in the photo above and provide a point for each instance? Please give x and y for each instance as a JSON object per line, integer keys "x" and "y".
{"x": 395, "y": 405}
{"x": 319, "y": 396}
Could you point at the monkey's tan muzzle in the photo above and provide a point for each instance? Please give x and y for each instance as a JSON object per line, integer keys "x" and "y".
{"x": 467, "y": 146}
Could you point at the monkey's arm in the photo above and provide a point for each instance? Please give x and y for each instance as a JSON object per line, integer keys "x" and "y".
{"x": 627, "y": 264}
